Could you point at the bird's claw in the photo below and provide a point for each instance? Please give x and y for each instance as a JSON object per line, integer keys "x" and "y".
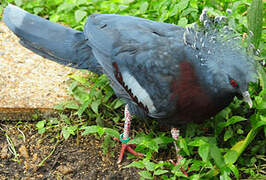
{"x": 181, "y": 168}
{"x": 129, "y": 148}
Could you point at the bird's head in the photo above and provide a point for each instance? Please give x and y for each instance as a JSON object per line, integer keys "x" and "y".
{"x": 231, "y": 72}
{"x": 224, "y": 65}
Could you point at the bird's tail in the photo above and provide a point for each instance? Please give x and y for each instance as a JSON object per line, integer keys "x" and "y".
{"x": 50, "y": 40}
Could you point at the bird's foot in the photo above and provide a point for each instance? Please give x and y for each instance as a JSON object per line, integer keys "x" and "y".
{"x": 175, "y": 135}
{"x": 129, "y": 148}
{"x": 124, "y": 138}
{"x": 181, "y": 168}
{"x": 179, "y": 158}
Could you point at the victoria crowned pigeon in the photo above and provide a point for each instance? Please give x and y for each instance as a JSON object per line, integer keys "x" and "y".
{"x": 162, "y": 71}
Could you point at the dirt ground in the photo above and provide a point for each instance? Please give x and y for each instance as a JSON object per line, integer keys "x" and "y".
{"x": 38, "y": 156}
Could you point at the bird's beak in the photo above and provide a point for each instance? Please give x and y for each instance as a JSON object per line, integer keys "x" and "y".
{"x": 246, "y": 98}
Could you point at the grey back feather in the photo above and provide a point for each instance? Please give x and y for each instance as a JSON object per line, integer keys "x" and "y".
{"x": 53, "y": 41}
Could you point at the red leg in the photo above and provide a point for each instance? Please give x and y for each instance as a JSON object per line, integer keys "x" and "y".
{"x": 175, "y": 134}
{"x": 125, "y": 138}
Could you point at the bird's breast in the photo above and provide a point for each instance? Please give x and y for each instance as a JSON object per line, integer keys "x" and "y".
{"x": 193, "y": 103}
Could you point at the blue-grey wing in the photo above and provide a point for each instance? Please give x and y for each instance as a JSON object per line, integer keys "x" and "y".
{"x": 139, "y": 56}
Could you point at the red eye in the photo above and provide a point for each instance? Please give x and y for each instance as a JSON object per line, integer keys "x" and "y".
{"x": 233, "y": 83}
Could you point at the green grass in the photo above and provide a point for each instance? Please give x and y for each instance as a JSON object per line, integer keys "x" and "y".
{"x": 230, "y": 145}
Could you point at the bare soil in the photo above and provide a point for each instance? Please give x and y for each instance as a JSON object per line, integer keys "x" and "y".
{"x": 38, "y": 156}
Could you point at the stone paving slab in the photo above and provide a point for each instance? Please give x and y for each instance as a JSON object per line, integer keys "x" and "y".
{"x": 28, "y": 81}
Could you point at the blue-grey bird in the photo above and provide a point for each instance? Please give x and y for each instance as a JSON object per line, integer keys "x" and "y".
{"x": 161, "y": 70}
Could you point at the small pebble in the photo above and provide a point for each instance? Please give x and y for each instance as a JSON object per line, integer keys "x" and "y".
{"x": 4, "y": 152}
{"x": 65, "y": 169}
{"x": 24, "y": 152}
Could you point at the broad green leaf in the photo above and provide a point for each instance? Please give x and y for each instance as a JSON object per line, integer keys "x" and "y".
{"x": 83, "y": 107}
{"x": 41, "y": 130}
{"x": 163, "y": 140}
{"x": 255, "y": 17}
{"x": 196, "y": 165}
{"x": 230, "y": 157}
{"x": 65, "y": 132}
{"x": 261, "y": 100}
{"x": 116, "y": 119}
{"x": 37, "y": 10}
{"x": 54, "y": 2}
{"x": 79, "y": 15}
{"x": 204, "y": 151}
{"x": 148, "y": 155}
{"x": 128, "y": 1}
{"x": 159, "y": 172}
{"x": 234, "y": 119}
{"x": 198, "y": 141}
{"x": 182, "y": 22}
{"x": 224, "y": 114}
{"x": 72, "y": 87}
{"x": 100, "y": 131}
{"x": 182, "y": 5}
{"x": 183, "y": 145}
{"x": 150, "y": 166}
{"x": 18, "y": 2}
{"x": 80, "y": 79}
{"x": 173, "y": 10}
{"x": 195, "y": 177}
{"x": 99, "y": 121}
{"x": 118, "y": 103}
{"x": 95, "y": 105}
{"x": 66, "y": 105}
{"x": 160, "y": 164}
{"x": 80, "y": 2}
{"x": 1, "y": 10}
{"x": 234, "y": 169}
{"x": 40, "y": 124}
{"x": 81, "y": 94}
{"x": 72, "y": 129}
{"x": 92, "y": 129}
{"x": 143, "y": 7}
{"x": 240, "y": 146}
{"x": 187, "y": 11}
{"x": 193, "y": 3}
{"x": 107, "y": 144}
{"x": 225, "y": 175}
{"x": 65, "y": 7}
{"x": 151, "y": 145}
{"x": 71, "y": 105}
{"x": 112, "y": 132}
{"x": 138, "y": 140}
{"x": 257, "y": 120}
{"x": 108, "y": 93}
{"x": 216, "y": 154}
{"x": 261, "y": 122}
{"x": 145, "y": 174}
{"x": 53, "y": 121}
{"x": 138, "y": 164}
{"x": 177, "y": 172}
{"x": 65, "y": 118}
{"x": 262, "y": 76}
{"x": 35, "y": 116}
{"x": 239, "y": 131}
{"x": 214, "y": 12}
{"x": 228, "y": 134}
